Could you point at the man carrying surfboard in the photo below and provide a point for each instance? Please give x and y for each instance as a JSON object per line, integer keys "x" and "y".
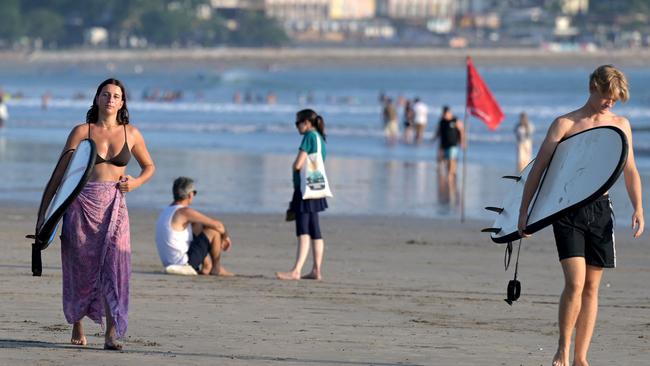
{"x": 585, "y": 237}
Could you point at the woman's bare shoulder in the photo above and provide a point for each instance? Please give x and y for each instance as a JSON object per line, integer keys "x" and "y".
{"x": 133, "y": 131}
{"x": 80, "y": 129}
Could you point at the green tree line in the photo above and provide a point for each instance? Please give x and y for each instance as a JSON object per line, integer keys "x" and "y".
{"x": 162, "y": 23}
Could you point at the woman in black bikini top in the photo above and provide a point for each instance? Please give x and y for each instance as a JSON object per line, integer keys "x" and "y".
{"x": 121, "y": 159}
{"x": 95, "y": 235}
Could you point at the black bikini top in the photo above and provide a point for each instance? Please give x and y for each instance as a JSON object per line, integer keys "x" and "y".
{"x": 121, "y": 159}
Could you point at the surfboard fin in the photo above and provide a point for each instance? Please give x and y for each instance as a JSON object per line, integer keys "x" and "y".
{"x": 495, "y": 209}
{"x": 513, "y": 177}
{"x": 494, "y": 230}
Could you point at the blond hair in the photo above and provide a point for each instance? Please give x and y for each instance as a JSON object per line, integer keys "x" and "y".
{"x": 609, "y": 81}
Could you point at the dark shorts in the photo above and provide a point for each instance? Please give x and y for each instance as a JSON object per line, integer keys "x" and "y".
{"x": 588, "y": 232}
{"x": 307, "y": 224}
{"x": 450, "y": 153}
{"x": 199, "y": 249}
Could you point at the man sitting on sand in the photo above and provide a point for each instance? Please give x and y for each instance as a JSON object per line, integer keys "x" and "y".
{"x": 186, "y": 237}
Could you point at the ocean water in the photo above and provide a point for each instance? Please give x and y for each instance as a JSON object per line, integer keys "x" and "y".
{"x": 241, "y": 153}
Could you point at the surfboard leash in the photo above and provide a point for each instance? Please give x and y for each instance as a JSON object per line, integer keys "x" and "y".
{"x": 514, "y": 286}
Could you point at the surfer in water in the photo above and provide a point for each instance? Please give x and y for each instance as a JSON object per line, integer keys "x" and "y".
{"x": 585, "y": 237}
{"x": 95, "y": 238}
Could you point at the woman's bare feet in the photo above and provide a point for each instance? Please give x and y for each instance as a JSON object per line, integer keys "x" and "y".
{"x": 560, "y": 359}
{"x": 287, "y": 275}
{"x": 112, "y": 346}
{"x": 313, "y": 275}
{"x": 78, "y": 337}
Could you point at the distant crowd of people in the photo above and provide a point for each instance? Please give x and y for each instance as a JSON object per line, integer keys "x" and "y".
{"x": 450, "y": 131}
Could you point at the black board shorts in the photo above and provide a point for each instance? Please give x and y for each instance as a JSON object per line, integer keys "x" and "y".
{"x": 199, "y": 249}
{"x": 588, "y": 232}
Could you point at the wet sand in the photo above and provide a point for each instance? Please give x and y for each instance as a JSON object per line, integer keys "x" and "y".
{"x": 397, "y": 291}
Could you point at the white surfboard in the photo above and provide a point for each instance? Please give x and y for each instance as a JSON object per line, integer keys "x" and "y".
{"x": 68, "y": 179}
{"x": 583, "y": 167}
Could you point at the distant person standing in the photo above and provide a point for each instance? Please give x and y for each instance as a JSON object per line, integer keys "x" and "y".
{"x": 452, "y": 138}
{"x": 391, "y": 128}
{"x": 524, "y": 135}
{"x": 409, "y": 122}
{"x": 45, "y": 100}
{"x": 312, "y": 127}
{"x": 4, "y": 113}
{"x": 421, "y": 118}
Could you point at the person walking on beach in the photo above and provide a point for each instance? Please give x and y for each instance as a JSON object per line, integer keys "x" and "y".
{"x": 391, "y": 124}
{"x": 585, "y": 236}
{"x": 312, "y": 127}
{"x": 185, "y": 236}
{"x": 409, "y": 122}
{"x": 452, "y": 138}
{"x": 524, "y": 134}
{"x": 95, "y": 238}
{"x": 4, "y": 113}
{"x": 421, "y": 118}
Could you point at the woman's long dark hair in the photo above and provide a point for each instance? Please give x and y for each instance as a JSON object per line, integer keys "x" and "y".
{"x": 122, "y": 115}
{"x": 317, "y": 121}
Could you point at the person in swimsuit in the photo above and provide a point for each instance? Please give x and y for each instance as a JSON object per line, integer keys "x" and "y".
{"x": 452, "y": 138}
{"x": 524, "y": 131}
{"x": 95, "y": 238}
{"x": 585, "y": 236}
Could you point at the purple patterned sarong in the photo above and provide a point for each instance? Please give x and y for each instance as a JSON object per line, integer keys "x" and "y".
{"x": 96, "y": 255}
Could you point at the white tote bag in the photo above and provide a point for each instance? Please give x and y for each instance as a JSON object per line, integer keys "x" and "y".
{"x": 313, "y": 180}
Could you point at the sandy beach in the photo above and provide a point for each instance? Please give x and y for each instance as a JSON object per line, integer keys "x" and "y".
{"x": 397, "y": 291}
{"x": 228, "y": 56}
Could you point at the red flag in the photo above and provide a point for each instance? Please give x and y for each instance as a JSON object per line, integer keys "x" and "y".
{"x": 480, "y": 101}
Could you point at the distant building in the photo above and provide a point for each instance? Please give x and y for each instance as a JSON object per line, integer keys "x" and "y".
{"x": 573, "y": 7}
{"x": 346, "y": 9}
{"x": 96, "y": 36}
{"x": 329, "y": 20}
{"x": 297, "y": 10}
{"x": 238, "y": 4}
{"x": 416, "y": 9}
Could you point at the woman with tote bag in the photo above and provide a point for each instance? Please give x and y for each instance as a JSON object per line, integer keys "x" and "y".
{"x": 310, "y": 187}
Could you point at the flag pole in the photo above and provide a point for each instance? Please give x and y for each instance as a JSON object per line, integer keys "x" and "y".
{"x": 466, "y": 139}
{"x": 464, "y": 177}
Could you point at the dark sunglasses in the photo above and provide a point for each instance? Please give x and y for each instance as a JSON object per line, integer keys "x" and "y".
{"x": 195, "y": 192}
{"x": 298, "y": 123}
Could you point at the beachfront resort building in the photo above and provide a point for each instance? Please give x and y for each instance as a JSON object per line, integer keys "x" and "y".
{"x": 416, "y": 9}
{"x": 329, "y": 20}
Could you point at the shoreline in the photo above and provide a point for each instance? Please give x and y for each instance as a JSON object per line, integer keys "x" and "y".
{"x": 338, "y": 56}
